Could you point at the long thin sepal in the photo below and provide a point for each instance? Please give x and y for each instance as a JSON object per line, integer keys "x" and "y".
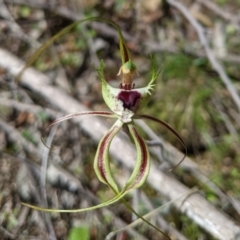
{"x": 141, "y": 169}
{"x": 111, "y": 201}
{"x": 73, "y": 115}
{"x": 124, "y": 52}
{"x": 101, "y": 161}
{"x": 93, "y": 113}
{"x": 169, "y": 128}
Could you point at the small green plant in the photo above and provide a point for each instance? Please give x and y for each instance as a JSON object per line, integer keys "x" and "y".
{"x": 125, "y": 103}
{"x": 77, "y": 233}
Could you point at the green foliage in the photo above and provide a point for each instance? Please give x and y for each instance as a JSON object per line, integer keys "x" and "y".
{"x": 25, "y": 11}
{"x": 10, "y": 218}
{"x": 119, "y": 5}
{"x": 71, "y": 59}
{"x": 29, "y": 136}
{"x": 176, "y": 66}
{"x": 211, "y": 197}
{"x": 79, "y": 233}
{"x": 44, "y": 63}
{"x": 191, "y": 230}
{"x": 235, "y": 173}
{"x": 184, "y": 95}
{"x": 12, "y": 148}
{"x": 43, "y": 116}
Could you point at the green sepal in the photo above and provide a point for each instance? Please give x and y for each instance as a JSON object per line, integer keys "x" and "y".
{"x": 146, "y": 92}
{"x": 142, "y": 166}
{"x": 109, "y": 93}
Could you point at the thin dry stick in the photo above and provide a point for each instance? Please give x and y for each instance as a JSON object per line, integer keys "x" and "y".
{"x": 45, "y": 157}
{"x": 235, "y": 20}
{"x": 6, "y": 234}
{"x": 210, "y": 54}
{"x": 152, "y": 213}
{"x": 153, "y": 46}
{"x": 167, "y": 227}
{"x": 24, "y": 144}
{"x": 69, "y": 14}
{"x": 15, "y": 136}
{"x": 26, "y": 107}
{"x": 14, "y": 27}
{"x": 227, "y": 121}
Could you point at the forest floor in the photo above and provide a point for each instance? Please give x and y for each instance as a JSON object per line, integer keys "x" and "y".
{"x": 196, "y": 45}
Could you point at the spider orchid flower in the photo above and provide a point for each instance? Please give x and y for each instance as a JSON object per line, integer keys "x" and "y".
{"x": 125, "y": 103}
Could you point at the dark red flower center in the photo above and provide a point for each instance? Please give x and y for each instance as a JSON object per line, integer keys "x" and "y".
{"x": 129, "y": 99}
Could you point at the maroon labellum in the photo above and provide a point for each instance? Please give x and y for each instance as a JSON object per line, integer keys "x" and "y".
{"x": 130, "y": 99}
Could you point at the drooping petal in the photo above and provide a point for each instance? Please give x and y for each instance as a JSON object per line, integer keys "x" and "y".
{"x": 109, "y": 93}
{"x": 101, "y": 166}
{"x": 93, "y": 113}
{"x": 107, "y": 203}
{"x": 142, "y": 167}
{"x": 101, "y": 161}
{"x": 169, "y": 128}
{"x": 69, "y": 116}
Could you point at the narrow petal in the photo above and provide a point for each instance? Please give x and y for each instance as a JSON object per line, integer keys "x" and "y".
{"x": 69, "y": 116}
{"x": 93, "y": 113}
{"x": 102, "y": 168}
{"x": 111, "y": 201}
{"x": 101, "y": 161}
{"x": 141, "y": 169}
{"x": 169, "y": 128}
{"x": 101, "y": 164}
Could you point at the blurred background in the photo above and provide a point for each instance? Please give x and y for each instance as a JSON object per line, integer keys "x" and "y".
{"x": 197, "y": 47}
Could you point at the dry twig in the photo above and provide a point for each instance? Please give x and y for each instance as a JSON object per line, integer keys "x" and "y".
{"x": 210, "y": 54}
{"x": 235, "y": 20}
{"x": 15, "y": 28}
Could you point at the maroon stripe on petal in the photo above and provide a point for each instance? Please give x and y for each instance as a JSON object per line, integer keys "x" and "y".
{"x": 144, "y": 157}
{"x": 103, "y": 147}
{"x": 102, "y": 112}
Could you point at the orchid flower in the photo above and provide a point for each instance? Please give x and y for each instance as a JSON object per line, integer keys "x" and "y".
{"x": 125, "y": 103}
